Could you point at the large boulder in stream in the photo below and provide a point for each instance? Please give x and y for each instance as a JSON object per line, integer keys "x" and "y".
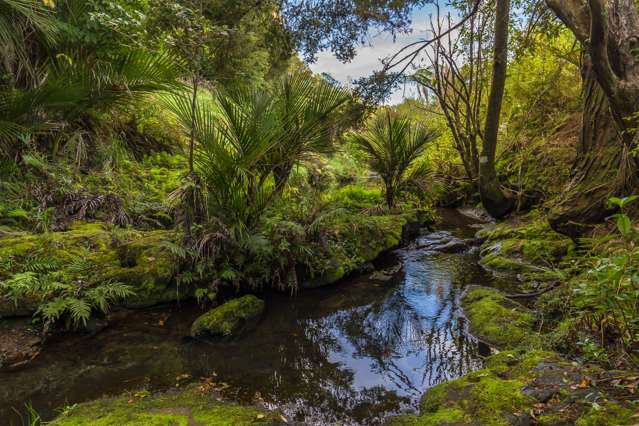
{"x": 230, "y": 319}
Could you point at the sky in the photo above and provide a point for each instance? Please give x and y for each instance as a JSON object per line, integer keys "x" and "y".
{"x": 369, "y": 55}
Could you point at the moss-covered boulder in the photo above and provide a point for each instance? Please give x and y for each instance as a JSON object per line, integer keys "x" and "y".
{"x": 520, "y": 388}
{"x": 527, "y": 248}
{"x": 499, "y": 321}
{"x": 139, "y": 259}
{"x": 230, "y": 319}
{"x": 359, "y": 240}
{"x": 193, "y": 406}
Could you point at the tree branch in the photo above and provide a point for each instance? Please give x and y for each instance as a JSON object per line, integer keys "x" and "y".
{"x": 599, "y": 49}
{"x": 574, "y": 14}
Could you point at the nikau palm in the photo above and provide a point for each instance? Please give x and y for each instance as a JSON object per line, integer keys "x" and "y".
{"x": 249, "y": 139}
{"x": 393, "y": 144}
{"x": 307, "y": 109}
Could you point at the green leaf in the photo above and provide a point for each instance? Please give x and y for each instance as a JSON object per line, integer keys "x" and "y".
{"x": 624, "y": 225}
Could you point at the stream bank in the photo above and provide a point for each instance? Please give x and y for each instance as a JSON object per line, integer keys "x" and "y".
{"x": 359, "y": 351}
{"x": 526, "y": 381}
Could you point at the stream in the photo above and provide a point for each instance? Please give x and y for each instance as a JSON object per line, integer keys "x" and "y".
{"x": 352, "y": 353}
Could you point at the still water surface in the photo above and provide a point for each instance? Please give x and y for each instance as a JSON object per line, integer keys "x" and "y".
{"x": 353, "y": 353}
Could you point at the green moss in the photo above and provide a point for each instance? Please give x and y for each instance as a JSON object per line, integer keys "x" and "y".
{"x": 611, "y": 414}
{"x": 229, "y": 319}
{"x": 491, "y": 396}
{"x": 523, "y": 247}
{"x": 357, "y": 240}
{"x": 498, "y": 320}
{"x": 447, "y": 416}
{"x": 479, "y": 398}
{"x": 500, "y": 263}
{"x": 518, "y": 363}
{"x": 135, "y": 258}
{"x": 184, "y": 408}
{"x": 552, "y": 420}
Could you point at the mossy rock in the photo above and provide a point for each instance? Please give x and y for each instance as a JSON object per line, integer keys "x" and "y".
{"x": 150, "y": 268}
{"x": 360, "y": 240}
{"x": 229, "y": 320}
{"x": 498, "y": 320}
{"x": 523, "y": 249}
{"x": 479, "y": 398}
{"x": 510, "y": 386}
{"x": 184, "y": 408}
{"x": 135, "y": 258}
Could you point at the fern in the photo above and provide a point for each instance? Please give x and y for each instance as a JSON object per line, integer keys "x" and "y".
{"x": 52, "y": 310}
{"x": 41, "y": 264}
{"x": 19, "y": 285}
{"x": 79, "y": 310}
{"x": 103, "y": 295}
{"x": 174, "y": 249}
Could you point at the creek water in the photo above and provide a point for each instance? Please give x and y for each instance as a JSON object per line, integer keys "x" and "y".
{"x": 352, "y": 353}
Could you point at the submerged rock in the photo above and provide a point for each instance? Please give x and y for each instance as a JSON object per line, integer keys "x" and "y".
{"x": 195, "y": 405}
{"x": 441, "y": 242}
{"x": 229, "y": 320}
{"x": 386, "y": 274}
{"x": 19, "y": 344}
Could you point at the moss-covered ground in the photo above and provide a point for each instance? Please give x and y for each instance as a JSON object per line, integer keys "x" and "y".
{"x": 190, "y": 407}
{"x": 499, "y": 321}
{"x": 528, "y": 382}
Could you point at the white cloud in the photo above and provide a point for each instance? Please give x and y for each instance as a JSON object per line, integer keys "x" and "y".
{"x": 369, "y": 55}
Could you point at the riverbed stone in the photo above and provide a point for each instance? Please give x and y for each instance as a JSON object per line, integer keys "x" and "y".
{"x": 195, "y": 405}
{"x": 230, "y": 319}
{"x": 19, "y": 343}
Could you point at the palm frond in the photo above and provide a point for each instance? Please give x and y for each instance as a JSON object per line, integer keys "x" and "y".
{"x": 393, "y": 143}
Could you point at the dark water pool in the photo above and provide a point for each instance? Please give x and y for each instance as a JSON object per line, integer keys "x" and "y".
{"x": 353, "y": 353}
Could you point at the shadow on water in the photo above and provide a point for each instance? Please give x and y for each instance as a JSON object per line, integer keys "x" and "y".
{"x": 354, "y": 353}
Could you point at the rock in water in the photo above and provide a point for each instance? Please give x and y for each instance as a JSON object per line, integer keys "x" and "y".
{"x": 230, "y": 319}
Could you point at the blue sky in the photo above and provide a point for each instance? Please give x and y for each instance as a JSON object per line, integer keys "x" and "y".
{"x": 369, "y": 55}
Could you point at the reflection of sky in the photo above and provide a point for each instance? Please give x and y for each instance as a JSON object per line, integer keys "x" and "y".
{"x": 384, "y": 344}
{"x": 369, "y": 55}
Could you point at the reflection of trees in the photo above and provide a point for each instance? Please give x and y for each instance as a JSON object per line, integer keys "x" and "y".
{"x": 353, "y": 352}
{"x": 393, "y": 328}
{"x": 400, "y": 340}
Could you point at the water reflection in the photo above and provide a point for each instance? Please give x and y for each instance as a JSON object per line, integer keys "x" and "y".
{"x": 353, "y": 353}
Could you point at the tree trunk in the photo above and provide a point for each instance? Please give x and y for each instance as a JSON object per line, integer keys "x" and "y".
{"x": 390, "y": 195}
{"x": 605, "y": 165}
{"x": 492, "y": 197}
{"x": 595, "y": 174}
{"x": 281, "y": 174}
